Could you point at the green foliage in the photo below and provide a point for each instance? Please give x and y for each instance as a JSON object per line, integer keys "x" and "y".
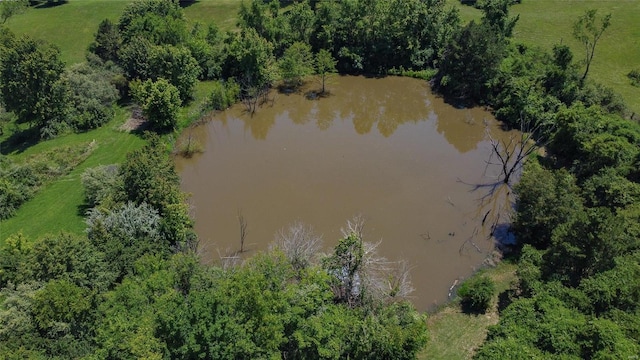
{"x": 70, "y": 258}
{"x": 19, "y": 182}
{"x": 13, "y": 260}
{"x": 149, "y": 177}
{"x": 616, "y": 288}
{"x": 346, "y": 265}
{"x": 135, "y": 58}
{"x": 177, "y": 66}
{"x": 325, "y": 65}
{"x": 588, "y": 32}
{"x": 296, "y": 63}
{"x": 476, "y": 294}
{"x": 92, "y": 96}
{"x": 595, "y": 140}
{"x": 634, "y": 76}
{"x": 545, "y": 200}
{"x": 223, "y": 95}
{"x": 160, "y": 102}
{"x": 31, "y": 84}
{"x": 471, "y": 61}
{"x": 159, "y": 21}
{"x": 102, "y": 185}
{"x": 496, "y": 14}
{"x": 208, "y": 49}
{"x": 11, "y": 8}
{"x": 107, "y": 41}
{"x": 250, "y": 60}
{"x": 126, "y": 233}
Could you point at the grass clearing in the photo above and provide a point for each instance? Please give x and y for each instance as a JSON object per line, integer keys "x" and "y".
{"x": 545, "y": 23}
{"x": 223, "y": 12}
{"x": 70, "y": 26}
{"x": 456, "y": 335}
{"x": 58, "y": 205}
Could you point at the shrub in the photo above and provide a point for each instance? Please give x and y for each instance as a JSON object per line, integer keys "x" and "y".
{"x": 634, "y": 75}
{"x": 92, "y": 96}
{"x": 101, "y": 183}
{"x": 223, "y": 95}
{"x": 160, "y": 102}
{"x": 476, "y": 294}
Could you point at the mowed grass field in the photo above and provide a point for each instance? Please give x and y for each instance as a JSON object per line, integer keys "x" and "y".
{"x": 454, "y": 335}
{"x": 545, "y": 23}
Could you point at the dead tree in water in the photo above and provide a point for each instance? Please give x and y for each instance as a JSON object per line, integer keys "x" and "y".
{"x": 243, "y": 230}
{"x": 513, "y": 152}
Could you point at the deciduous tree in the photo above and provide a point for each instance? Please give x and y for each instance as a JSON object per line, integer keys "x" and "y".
{"x": 588, "y": 29}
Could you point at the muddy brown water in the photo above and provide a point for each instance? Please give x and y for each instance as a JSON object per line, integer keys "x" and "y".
{"x": 386, "y": 149}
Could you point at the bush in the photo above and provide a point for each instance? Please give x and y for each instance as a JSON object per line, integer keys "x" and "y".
{"x": 101, "y": 183}
{"x": 476, "y": 294}
{"x": 160, "y": 102}
{"x": 92, "y": 95}
{"x": 223, "y": 95}
{"x": 634, "y": 75}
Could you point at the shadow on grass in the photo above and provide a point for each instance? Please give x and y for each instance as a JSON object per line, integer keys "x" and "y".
{"x": 83, "y": 209}
{"x": 186, "y": 3}
{"x": 469, "y": 308}
{"x": 20, "y": 140}
{"x": 39, "y": 4}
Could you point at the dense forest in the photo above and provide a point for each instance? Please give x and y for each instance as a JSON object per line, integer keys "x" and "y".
{"x": 133, "y": 286}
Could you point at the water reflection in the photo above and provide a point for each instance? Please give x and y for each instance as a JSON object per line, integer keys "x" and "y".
{"x": 383, "y": 148}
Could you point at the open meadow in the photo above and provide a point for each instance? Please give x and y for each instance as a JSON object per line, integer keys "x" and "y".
{"x": 545, "y": 23}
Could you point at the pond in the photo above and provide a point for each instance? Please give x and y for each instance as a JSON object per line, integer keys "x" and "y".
{"x": 414, "y": 167}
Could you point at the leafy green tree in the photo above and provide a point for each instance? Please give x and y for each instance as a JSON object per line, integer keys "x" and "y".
{"x": 160, "y": 102}
{"x": 546, "y": 199}
{"x": 209, "y": 50}
{"x": 30, "y": 83}
{"x": 159, "y": 21}
{"x": 10, "y": 8}
{"x": 476, "y": 294}
{"x": 92, "y": 96}
{"x": 223, "y": 95}
{"x": 103, "y": 185}
{"x": 325, "y": 65}
{"x": 295, "y": 64}
{"x": 586, "y": 245}
{"x": 617, "y": 288}
{"x": 135, "y": 58}
{"x": 471, "y": 61}
{"x": 107, "y": 41}
{"x": 70, "y": 258}
{"x": 177, "y": 66}
{"x": 125, "y": 234}
{"x": 14, "y": 253}
{"x": 496, "y": 14}
{"x": 149, "y": 177}
{"x": 587, "y": 30}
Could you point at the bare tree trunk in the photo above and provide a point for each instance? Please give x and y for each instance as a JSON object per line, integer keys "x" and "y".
{"x": 243, "y": 229}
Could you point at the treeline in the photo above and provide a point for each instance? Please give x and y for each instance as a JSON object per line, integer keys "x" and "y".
{"x": 577, "y": 219}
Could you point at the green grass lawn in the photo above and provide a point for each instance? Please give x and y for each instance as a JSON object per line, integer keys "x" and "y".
{"x": 223, "y": 12}
{"x": 57, "y": 206}
{"x": 455, "y": 335}
{"x": 72, "y": 26}
{"x": 545, "y": 23}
